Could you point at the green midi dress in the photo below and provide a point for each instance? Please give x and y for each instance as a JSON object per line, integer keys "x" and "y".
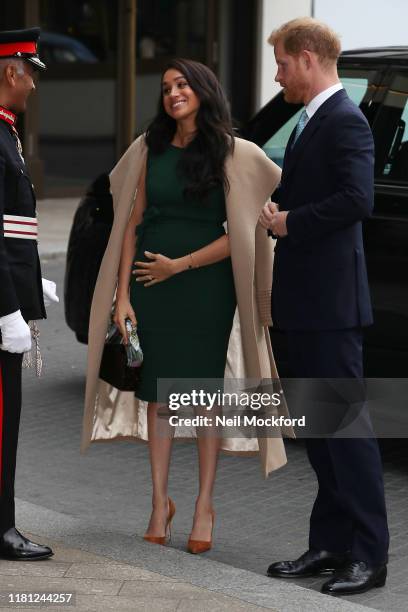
{"x": 184, "y": 322}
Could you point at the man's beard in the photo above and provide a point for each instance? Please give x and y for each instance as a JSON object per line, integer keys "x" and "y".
{"x": 290, "y": 97}
{"x": 293, "y": 96}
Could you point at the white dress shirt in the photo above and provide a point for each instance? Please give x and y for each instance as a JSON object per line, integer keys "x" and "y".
{"x": 318, "y": 100}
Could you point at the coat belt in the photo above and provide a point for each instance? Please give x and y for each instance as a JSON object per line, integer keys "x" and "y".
{"x": 16, "y": 226}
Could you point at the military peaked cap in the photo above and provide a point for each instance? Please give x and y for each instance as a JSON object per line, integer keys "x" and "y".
{"x": 21, "y": 44}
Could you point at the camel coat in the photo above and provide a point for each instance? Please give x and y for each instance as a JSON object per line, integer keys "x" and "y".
{"x": 112, "y": 414}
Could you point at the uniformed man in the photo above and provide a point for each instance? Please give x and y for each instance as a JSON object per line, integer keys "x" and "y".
{"x": 21, "y": 288}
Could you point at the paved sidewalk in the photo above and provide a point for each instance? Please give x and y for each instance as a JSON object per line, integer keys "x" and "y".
{"x": 54, "y": 224}
{"x": 99, "y": 503}
{"x": 98, "y": 583}
{"x": 106, "y": 565}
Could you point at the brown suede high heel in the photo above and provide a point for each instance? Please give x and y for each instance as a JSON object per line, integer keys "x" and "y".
{"x": 162, "y": 539}
{"x": 200, "y": 546}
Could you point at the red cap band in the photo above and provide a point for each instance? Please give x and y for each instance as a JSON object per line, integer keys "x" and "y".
{"x": 7, "y": 49}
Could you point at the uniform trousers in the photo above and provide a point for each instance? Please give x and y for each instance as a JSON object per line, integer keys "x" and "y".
{"x": 10, "y": 409}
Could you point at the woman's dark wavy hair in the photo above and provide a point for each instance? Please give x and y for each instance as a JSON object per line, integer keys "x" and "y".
{"x": 202, "y": 163}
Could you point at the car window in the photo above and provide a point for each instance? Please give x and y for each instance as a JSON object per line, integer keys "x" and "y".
{"x": 356, "y": 88}
{"x": 393, "y": 127}
{"x": 275, "y": 146}
{"x": 63, "y": 56}
{"x": 359, "y": 86}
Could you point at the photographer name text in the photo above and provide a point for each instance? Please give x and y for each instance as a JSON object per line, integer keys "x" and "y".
{"x": 236, "y": 421}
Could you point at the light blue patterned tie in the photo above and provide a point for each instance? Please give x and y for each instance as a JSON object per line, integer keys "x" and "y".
{"x": 303, "y": 119}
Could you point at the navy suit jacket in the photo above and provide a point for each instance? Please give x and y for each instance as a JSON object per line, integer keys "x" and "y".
{"x": 319, "y": 274}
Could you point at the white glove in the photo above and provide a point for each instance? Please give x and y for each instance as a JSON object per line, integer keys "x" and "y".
{"x": 15, "y": 333}
{"x": 49, "y": 291}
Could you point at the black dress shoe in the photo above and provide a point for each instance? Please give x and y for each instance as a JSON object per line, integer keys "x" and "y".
{"x": 357, "y": 577}
{"x": 15, "y": 547}
{"x": 311, "y": 563}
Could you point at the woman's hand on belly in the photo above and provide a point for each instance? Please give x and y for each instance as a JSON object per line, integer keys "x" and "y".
{"x": 159, "y": 269}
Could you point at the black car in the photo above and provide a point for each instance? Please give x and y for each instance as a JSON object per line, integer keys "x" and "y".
{"x": 377, "y": 80}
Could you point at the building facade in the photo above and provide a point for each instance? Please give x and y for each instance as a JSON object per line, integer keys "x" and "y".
{"x": 104, "y": 61}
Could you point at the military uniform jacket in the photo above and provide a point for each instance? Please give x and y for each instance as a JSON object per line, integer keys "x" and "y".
{"x": 20, "y": 272}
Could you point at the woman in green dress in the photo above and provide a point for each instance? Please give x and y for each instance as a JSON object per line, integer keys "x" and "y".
{"x": 182, "y": 293}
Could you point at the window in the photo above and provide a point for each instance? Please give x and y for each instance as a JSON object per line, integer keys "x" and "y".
{"x": 171, "y": 29}
{"x": 78, "y": 31}
{"x": 356, "y": 88}
{"x": 275, "y": 147}
{"x": 393, "y": 132}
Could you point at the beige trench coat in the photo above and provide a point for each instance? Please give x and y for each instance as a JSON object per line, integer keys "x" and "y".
{"x": 111, "y": 414}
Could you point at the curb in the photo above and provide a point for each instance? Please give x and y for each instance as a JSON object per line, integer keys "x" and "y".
{"x": 198, "y": 571}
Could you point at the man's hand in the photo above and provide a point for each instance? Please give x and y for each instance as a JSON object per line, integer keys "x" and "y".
{"x": 274, "y": 220}
{"x": 278, "y": 225}
{"x": 267, "y": 213}
{"x": 15, "y": 333}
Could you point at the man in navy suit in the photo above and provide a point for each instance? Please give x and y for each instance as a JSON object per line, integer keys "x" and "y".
{"x": 321, "y": 299}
